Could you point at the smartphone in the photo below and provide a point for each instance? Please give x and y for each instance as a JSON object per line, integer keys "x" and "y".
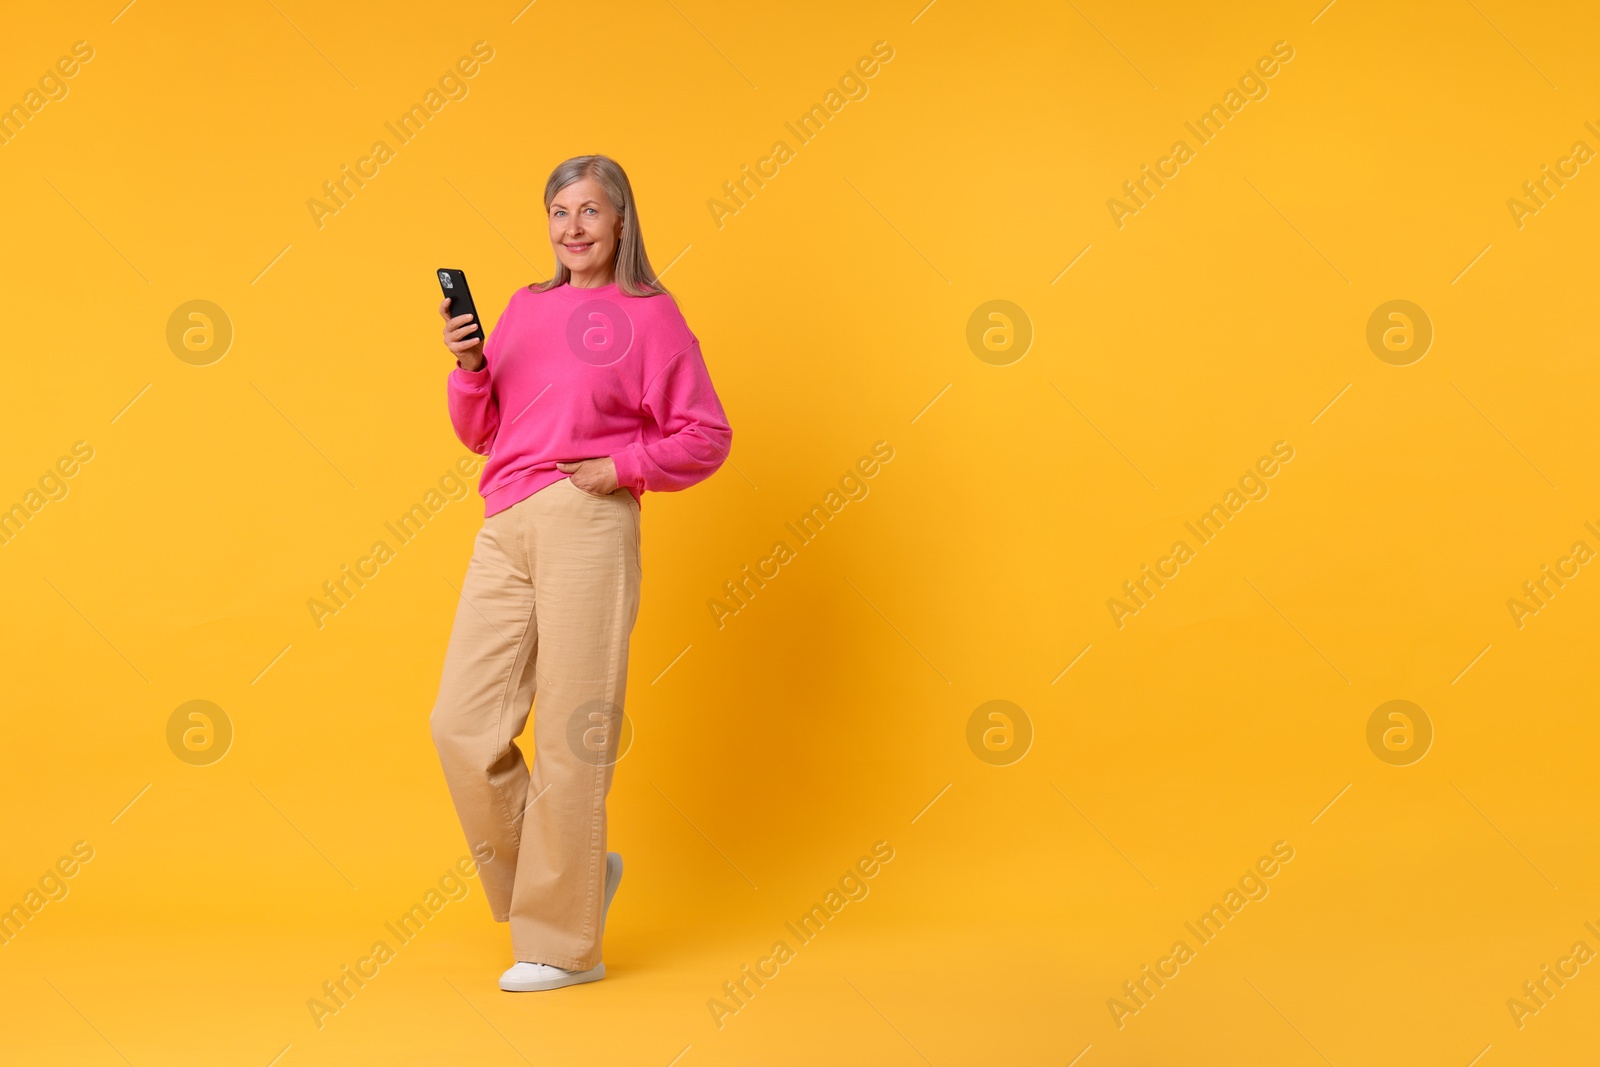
{"x": 454, "y": 284}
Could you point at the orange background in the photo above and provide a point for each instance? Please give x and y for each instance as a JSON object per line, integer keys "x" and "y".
{"x": 832, "y": 712}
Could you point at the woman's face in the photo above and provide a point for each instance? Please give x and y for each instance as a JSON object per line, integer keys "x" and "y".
{"x": 584, "y": 229}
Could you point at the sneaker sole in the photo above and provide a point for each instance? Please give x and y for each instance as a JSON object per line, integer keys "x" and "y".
{"x": 593, "y": 974}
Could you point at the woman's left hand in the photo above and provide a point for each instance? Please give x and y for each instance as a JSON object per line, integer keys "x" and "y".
{"x": 594, "y": 476}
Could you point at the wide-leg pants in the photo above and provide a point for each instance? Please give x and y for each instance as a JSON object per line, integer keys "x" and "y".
{"x": 546, "y": 610}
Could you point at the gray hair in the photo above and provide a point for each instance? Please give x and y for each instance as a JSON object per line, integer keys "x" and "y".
{"x": 634, "y": 274}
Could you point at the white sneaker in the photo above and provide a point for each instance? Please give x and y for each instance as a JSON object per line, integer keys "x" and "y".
{"x": 532, "y": 977}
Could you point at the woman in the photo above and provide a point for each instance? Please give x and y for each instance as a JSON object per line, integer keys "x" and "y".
{"x": 589, "y": 391}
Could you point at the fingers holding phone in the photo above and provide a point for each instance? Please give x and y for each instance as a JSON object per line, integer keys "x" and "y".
{"x": 463, "y": 338}
{"x": 463, "y": 335}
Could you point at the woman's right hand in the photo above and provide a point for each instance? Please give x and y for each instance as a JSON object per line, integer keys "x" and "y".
{"x": 467, "y": 350}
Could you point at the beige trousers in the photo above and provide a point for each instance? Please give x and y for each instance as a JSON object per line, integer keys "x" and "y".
{"x": 548, "y": 603}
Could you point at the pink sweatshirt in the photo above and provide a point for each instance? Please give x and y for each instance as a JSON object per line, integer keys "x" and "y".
{"x": 575, "y": 374}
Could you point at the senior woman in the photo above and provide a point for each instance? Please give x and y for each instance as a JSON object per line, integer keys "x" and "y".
{"x": 590, "y": 391}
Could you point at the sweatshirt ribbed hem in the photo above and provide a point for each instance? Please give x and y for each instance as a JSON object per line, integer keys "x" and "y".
{"x": 522, "y": 487}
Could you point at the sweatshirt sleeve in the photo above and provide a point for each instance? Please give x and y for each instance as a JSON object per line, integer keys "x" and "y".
{"x": 696, "y": 435}
{"x": 473, "y": 410}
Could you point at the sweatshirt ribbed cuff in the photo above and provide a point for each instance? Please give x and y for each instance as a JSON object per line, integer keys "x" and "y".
{"x": 628, "y": 469}
{"x": 471, "y": 381}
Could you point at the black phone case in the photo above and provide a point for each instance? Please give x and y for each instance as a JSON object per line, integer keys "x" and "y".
{"x": 454, "y": 285}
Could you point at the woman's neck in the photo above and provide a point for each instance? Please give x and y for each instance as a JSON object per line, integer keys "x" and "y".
{"x": 592, "y": 280}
